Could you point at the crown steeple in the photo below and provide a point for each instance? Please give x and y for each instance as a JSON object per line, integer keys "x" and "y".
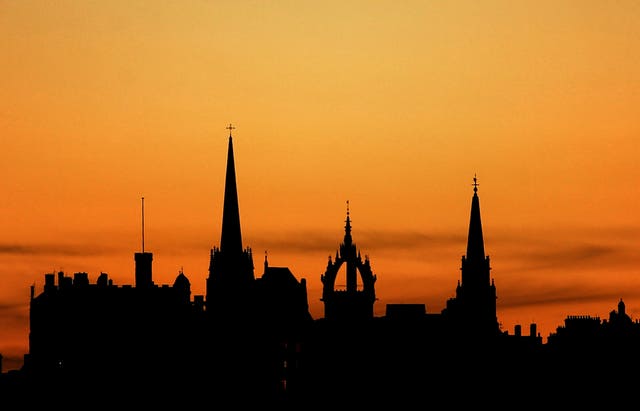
{"x": 352, "y": 302}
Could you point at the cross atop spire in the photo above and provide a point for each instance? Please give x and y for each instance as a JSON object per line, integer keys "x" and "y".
{"x": 230, "y": 127}
{"x": 475, "y": 184}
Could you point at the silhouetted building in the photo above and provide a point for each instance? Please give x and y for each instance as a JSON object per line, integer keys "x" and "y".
{"x": 244, "y": 336}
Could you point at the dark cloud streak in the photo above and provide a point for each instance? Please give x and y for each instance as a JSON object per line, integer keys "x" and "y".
{"x": 558, "y": 256}
{"x": 6, "y": 308}
{"x": 66, "y": 250}
{"x": 557, "y": 296}
{"x": 312, "y": 242}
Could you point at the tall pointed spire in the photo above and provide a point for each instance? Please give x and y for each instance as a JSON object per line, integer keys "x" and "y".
{"x": 230, "y": 266}
{"x": 475, "y": 304}
{"x": 475, "y": 241}
{"x": 231, "y": 237}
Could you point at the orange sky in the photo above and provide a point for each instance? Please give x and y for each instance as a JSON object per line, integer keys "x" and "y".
{"x": 391, "y": 105}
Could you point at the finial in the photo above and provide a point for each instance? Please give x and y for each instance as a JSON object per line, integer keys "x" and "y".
{"x": 230, "y": 127}
{"x": 475, "y": 183}
{"x": 347, "y": 227}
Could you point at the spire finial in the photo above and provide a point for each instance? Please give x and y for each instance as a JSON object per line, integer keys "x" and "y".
{"x": 475, "y": 183}
{"x": 347, "y": 227}
{"x": 230, "y": 127}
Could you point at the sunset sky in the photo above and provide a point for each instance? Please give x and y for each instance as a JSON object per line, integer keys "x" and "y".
{"x": 393, "y": 106}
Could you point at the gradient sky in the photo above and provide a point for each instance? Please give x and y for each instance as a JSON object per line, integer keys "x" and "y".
{"x": 391, "y": 105}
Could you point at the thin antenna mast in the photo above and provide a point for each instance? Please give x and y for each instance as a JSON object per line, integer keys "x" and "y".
{"x": 143, "y": 224}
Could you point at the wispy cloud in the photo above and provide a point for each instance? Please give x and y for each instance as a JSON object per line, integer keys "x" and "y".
{"x": 402, "y": 240}
{"x": 529, "y": 295}
{"x": 572, "y": 267}
{"x": 8, "y": 308}
{"x": 372, "y": 240}
{"x": 554, "y": 256}
{"x": 66, "y": 250}
{"x": 571, "y": 248}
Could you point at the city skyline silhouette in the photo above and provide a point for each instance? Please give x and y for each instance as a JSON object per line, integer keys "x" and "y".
{"x": 252, "y": 339}
{"x": 379, "y": 113}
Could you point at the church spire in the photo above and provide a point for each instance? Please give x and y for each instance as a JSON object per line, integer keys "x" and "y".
{"x": 475, "y": 241}
{"x": 474, "y": 308}
{"x": 231, "y": 238}
{"x": 230, "y": 266}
